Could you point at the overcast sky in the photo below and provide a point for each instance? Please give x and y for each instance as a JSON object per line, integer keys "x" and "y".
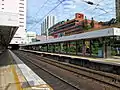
{"x": 102, "y": 10}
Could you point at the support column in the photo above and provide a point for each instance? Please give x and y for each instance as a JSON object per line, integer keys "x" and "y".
{"x": 83, "y": 48}
{"x": 66, "y": 47}
{"x": 76, "y": 47}
{"x": 106, "y": 49}
{"x": 60, "y": 47}
{"x": 90, "y": 49}
{"x": 53, "y": 47}
{"x": 69, "y": 47}
{"x": 47, "y": 47}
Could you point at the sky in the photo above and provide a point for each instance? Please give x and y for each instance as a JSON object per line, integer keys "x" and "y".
{"x": 102, "y": 10}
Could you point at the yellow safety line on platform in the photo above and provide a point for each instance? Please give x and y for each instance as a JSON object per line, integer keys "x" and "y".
{"x": 15, "y": 74}
{"x": 18, "y": 82}
{"x": 16, "y": 78}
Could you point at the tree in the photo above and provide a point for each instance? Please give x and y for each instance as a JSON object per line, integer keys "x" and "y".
{"x": 86, "y": 23}
{"x": 83, "y": 24}
{"x": 92, "y": 23}
{"x": 67, "y": 19}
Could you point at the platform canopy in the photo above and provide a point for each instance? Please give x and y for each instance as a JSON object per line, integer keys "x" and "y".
{"x": 6, "y": 34}
{"x": 8, "y": 27}
{"x": 86, "y": 35}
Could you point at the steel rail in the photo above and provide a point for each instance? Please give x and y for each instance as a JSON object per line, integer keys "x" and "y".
{"x": 102, "y": 77}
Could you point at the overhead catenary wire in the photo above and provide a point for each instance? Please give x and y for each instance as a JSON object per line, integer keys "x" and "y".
{"x": 40, "y": 9}
{"x": 97, "y": 6}
{"x": 102, "y": 9}
{"x": 44, "y": 5}
{"x": 102, "y": 14}
{"x": 106, "y": 12}
{"x": 86, "y": 9}
{"x": 60, "y": 2}
{"x": 46, "y": 14}
{"x": 49, "y": 12}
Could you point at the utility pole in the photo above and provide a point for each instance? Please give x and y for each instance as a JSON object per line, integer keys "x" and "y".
{"x": 47, "y": 34}
{"x": 117, "y": 10}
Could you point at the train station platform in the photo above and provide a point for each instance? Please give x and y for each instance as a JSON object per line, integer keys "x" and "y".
{"x": 113, "y": 60}
{"x": 15, "y": 75}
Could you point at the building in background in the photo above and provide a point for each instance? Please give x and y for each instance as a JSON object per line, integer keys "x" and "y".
{"x": 69, "y": 27}
{"x": 46, "y": 24}
{"x": 118, "y": 10}
{"x": 18, "y": 6}
{"x": 31, "y": 37}
{"x": 8, "y": 26}
{"x": 43, "y": 37}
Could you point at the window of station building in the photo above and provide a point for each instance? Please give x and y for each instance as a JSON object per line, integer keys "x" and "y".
{"x": 52, "y": 48}
{"x": 21, "y": 25}
{"x": 21, "y": 3}
{"x": 57, "y": 47}
{"x": 87, "y": 47}
{"x": 43, "y": 48}
{"x": 21, "y": 11}
{"x": 21, "y": 18}
{"x": 2, "y": 0}
{"x": 21, "y": 7}
{"x": 2, "y": 8}
{"x": 114, "y": 45}
{"x": 72, "y": 47}
{"x": 21, "y": 14}
{"x": 2, "y": 4}
{"x": 79, "y": 47}
{"x": 22, "y": 42}
{"x": 21, "y": 22}
{"x": 64, "y": 48}
{"x": 97, "y": 47}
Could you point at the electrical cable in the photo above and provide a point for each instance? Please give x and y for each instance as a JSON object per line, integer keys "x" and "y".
{"x": 41, "y": 7}
{"x": 102, "y": 14}
{"x": 82, "y": 10}
{"x": 39, "y": 10}
{"x": 46, "y": 14}
{"x": 101, "y": 9}
{"x": 86, "y": 9}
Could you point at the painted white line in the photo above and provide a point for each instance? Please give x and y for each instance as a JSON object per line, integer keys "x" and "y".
{"x": 32, "y": 78}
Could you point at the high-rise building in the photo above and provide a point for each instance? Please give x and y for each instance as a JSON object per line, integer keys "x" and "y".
{"x": 31, "y": 37}
{"x": 18, "y": 6}
{"x": 118, "y": 10}
{"x": 46, "y": 24}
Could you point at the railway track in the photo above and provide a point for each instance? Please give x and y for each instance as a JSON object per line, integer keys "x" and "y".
{"x": 109, "y": 81}
{"x": 32, "y": 64}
